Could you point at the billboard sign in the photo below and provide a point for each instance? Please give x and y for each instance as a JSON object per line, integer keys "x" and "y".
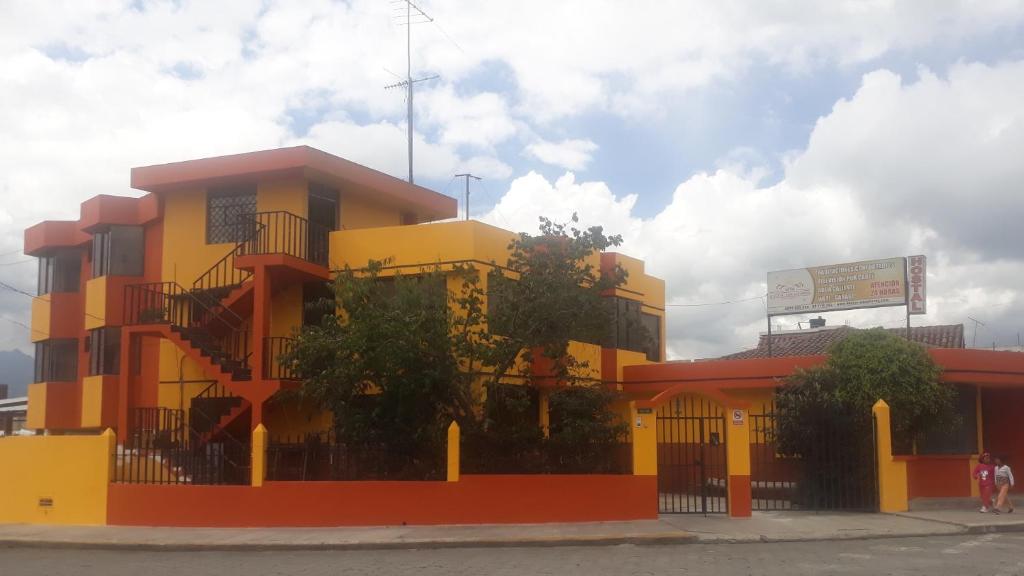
{"x": 917, "y": 280}
{"x": 868, "y": 284}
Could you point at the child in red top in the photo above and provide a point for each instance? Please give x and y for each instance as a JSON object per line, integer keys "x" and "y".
{"x": 985, "y": 474}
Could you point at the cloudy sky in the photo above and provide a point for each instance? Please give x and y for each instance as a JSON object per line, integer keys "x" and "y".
{"x": 721, "y": 139}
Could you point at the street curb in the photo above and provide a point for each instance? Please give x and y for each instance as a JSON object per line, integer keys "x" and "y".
{"x": 769, "y": 540}
{"x": 646, "y": 540}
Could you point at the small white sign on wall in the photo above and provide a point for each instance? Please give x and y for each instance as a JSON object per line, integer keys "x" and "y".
{"x": 738, "y": 416}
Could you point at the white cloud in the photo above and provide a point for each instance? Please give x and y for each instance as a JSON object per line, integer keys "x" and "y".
{"x": 572, "y": 154}
{"x": 928, "y": 166}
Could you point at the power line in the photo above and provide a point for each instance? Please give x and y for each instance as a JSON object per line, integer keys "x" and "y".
{"x": 7, "y": 286}
{"x": 722, "y": 303}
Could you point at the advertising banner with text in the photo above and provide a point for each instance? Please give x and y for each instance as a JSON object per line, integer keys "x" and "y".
{"x": 868, "y": 284}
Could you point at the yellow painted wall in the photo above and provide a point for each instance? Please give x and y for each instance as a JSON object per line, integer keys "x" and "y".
{"x": 359, "y": 212}
{"x": 591, "y": 355}
{"x": 40, "y": 318}
{"x": 286, "y": 311}
{"x": 423, "y": 244}
{"x": 737, "y": 443}
{"x": 291, "y": 417}
{"x": 72, "y": 471}
{"x": 95, "y": 302}
{"x": 287, "y": 195}
{"x": 36, "y": 417}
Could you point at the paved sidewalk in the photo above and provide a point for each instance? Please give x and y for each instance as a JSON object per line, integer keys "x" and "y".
{"x": 368, "y": 538}
{"x": 670, "y": 529}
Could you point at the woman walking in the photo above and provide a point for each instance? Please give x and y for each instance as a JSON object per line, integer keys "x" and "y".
{"x": 1004, "y": 481}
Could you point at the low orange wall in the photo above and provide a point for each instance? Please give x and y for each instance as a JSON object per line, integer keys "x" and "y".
{"x": 937, "y": 476}
{"x": 495, "y": 499}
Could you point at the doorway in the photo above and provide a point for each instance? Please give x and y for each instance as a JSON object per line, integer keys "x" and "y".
{"x": 323, "y": 214}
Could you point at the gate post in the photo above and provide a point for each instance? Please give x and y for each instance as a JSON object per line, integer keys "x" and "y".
{"x": 645, "y": 438}
{"x": 892, "y": 475}
{"x": 737, "y": 446}
{"x": 259, "y": 456}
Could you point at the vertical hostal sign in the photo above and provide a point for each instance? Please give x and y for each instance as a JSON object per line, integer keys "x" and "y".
{"x": 917, "y": 273}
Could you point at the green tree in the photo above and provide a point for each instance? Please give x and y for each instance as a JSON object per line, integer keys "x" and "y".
{"x": 388, "y": 366}
{"x": 549, "y": 294}
{"x": 865, "y": 367}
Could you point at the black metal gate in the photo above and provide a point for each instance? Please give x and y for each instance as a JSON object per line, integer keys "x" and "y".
{"x": 692, "y": 475}
{"x": 835, "y": 471}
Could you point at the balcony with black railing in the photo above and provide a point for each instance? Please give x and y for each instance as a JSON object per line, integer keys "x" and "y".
{"x": 274, "y": 348}
{"x": 285, "y": 233}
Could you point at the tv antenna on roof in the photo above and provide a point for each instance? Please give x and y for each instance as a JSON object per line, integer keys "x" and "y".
{"x": 408, "y": 15}
{"x": 974, "y": 338}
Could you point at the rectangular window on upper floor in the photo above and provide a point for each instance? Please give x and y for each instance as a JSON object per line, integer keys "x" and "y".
{"x": 56, "y": 360}
{"x": 105, "y": 350}
{"x": 59, "y": 272}
{"x": 118, "y": 251}
{"x": 225, "y": 208}
{"x": 632, "y": 329}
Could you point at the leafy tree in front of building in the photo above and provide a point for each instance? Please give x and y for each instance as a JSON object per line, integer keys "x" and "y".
{"x": 823, "y": 414}
{"x": 405, "y": 355}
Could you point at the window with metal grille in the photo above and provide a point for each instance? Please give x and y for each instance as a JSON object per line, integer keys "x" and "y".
{"x": 225, "y": 208}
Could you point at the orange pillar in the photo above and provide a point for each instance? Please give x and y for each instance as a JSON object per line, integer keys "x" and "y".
{"x": 124, "y": 382}
{"x": 260, "y": 330}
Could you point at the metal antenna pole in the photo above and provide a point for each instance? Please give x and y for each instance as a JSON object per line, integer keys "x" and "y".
{"x": 408, "y": 83}
{"x": 408, "y": 79}
{"x": 974, "y": 338}
{"x": 467, "y": 176}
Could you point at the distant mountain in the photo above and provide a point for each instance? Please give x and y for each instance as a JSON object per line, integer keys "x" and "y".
{"x": 15, "y": 371}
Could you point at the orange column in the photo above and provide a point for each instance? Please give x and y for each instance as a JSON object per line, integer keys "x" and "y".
{"x": 124, "y": 377}
{"x": 260, "y": 331}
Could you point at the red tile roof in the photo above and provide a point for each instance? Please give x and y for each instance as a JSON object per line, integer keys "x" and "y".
{"x": 818, "y": 340}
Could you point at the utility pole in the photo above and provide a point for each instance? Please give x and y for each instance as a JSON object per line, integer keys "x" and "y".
{"x": 467, "y": 177}
{"x": 408, "y": 83}
{"x": 974, "y": 338}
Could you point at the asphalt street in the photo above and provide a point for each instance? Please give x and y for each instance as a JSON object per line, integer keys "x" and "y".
{"x": 988, "y": 555}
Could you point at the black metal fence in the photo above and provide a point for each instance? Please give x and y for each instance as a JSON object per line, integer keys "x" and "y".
{"x": 835, "y": 468}
{"x": 162, "y": 450}
{"x": 321, "y": 457}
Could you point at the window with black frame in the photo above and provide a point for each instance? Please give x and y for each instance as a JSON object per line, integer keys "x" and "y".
{"x": 225, "y": 208}
{"x": 118, "y": 251}
{"x": 56, "y": 360}
{"x": 59, "y": 272}
{"x": 105, "y": 350}
{"x": 633, "y": 329}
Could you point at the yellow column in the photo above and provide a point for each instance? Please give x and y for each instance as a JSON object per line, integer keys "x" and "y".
{"x": 259, "y": 455}
{"x": 111, "y": 439}
{"x": 544, "y": 417}
{"x": 892, "y": 475}
{"x": 453, "y": 451}
{"x": 645, "y": 439}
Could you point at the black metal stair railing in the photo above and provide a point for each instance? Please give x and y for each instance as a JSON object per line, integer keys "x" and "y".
{"x": 220, "y": 335}
{"x": 273, "y": 348}
{"x": 164, "y": 449}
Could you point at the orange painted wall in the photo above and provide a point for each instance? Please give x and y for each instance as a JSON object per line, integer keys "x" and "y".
{"x": 472, "y": 500}
{"x": 1003, "y": 433}
{"x": 938, "y": 476}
